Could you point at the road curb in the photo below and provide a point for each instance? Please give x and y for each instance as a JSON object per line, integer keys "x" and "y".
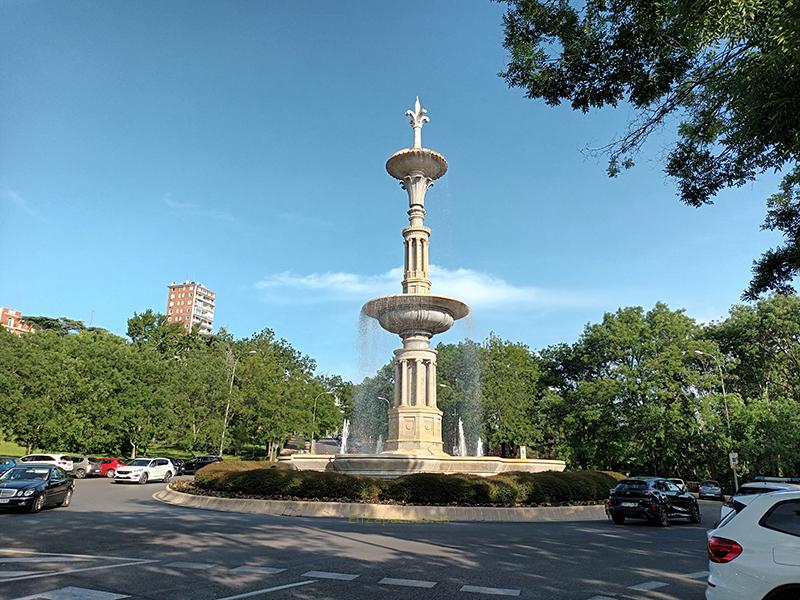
{"x": 382, "y": 512}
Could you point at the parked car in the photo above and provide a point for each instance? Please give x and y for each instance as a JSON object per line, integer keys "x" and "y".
{"x": 180, "y": 465}
{"x": 107, "y": 467}
{"x": 754, "y": 554}
{"x": 198, "y": 462}
{"x": 749, "y": 491}
{"x": 6, "y": 462}
{"x": 680, "y": 483}
{"x": 57, "y": 460}
{"x": 32, "y": 486}
{"x": 81, "y": 466}
{"x": 653, "y": 498}
{"x": 142, "y": 470}
{"x": 710, "y": 489}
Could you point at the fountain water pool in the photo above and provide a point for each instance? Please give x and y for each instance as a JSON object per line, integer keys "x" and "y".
{"x": 414, "y": 443}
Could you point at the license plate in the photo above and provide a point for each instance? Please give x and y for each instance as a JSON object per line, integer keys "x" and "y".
{"x": 630, "y": 504}
{"x": 4, "y": 500}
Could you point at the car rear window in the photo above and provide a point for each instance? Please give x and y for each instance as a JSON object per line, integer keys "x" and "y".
{"x": 632, "y": 484}
{"x": 784, "y": 517}
{"x": 753, "y": 491}
{"x": 714, "y": 483}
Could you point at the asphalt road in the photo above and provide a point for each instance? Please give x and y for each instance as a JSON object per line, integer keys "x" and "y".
{"x": 115, "y": 541}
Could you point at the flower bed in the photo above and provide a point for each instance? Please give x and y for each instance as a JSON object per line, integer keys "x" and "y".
{"x": 242, "y": 479}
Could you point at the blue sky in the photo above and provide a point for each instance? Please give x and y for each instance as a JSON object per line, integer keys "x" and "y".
{"x": 242, "y": 145}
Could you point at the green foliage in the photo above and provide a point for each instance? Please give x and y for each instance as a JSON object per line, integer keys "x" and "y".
{"x": 508, "y": 489}
{"x": 78, "y": 389}
{"x": 728, "y": 69}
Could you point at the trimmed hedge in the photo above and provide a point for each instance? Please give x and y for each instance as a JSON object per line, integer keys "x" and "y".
{"x": 277, "y": 481}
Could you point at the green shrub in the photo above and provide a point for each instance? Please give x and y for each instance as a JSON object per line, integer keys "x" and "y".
{"x": 506, "y": 489}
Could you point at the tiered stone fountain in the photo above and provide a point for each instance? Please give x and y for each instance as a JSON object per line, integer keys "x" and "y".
{"x": 414, "y": 443}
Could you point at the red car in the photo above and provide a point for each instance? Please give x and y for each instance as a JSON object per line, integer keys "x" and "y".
{"x": 108, "y": 467}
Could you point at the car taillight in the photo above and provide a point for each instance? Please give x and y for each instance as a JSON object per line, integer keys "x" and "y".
{"x": 722, "y": 550}
{"x": 61, "y": 462}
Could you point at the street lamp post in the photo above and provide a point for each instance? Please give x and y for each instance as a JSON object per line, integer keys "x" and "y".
{"x": 725, "y": 404}
{"x": 228, "y": 404}
{"x": 314, "y": 419}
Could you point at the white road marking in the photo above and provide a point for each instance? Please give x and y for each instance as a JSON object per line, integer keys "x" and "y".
{"x": 328, "y": 575}
{"x": 407, "y": 582}
{"x": 81, "y": 570}
{"x": 648, "y": 586}
{"x": 698, "y": 575}
{"x": 268, "y": 590}
{"x": 39, "y": 559}
{"x": 5, "y": 574}
{"x": 196, "y": 566}
{"x": 476, "y": 589}
{"x": 259, "y": 570}
{"x": 64, "y": 556}
{"x": 74, "y": 593}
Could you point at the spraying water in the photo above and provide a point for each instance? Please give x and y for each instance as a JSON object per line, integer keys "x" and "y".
{"x": 345, "y": 434}
{"x": 379, "y": 445}
{"x": 462, "y": 443}
{"x": 479, "y": 449}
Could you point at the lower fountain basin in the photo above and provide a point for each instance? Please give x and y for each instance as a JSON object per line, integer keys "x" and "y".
{"x": 390, "y": 465}
{"x": 414, "y": 314}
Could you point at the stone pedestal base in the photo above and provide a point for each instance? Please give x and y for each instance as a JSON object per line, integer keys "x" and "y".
{"x": 415, "y": 430}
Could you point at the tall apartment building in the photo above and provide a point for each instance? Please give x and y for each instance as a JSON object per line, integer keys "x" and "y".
{"x": 190, "y": 303}
{"x": 11, "y": 320}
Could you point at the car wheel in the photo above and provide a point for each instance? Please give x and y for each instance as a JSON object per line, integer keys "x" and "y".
{"x": 80, "y": 473}
{"x": 694, "y": 516}
{"x": 618, "y": 519}
{"x": 111, "y": 473}
{"x": 143, "y": 478}
{"x": 661, "y": 519}
{"x": 167, "y": 477}
{"x": 37, "y": 504}
{"x": 67, "y": 499}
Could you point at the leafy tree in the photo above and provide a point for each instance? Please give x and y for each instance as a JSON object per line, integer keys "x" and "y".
{"x": 728, "y": 69}
{"x": 635, "y": 395}
{"x": 510, "y": 376}
{"x": 459, "y": 393}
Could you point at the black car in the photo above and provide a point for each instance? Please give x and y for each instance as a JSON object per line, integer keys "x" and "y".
{"x": 651, "y": 498}
{"x": 180, "y": 465}
{"x": 33, "y": 486}
{"x": 198, "y": 462}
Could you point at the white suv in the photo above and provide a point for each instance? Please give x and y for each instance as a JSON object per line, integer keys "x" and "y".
{"x": 143, "y": 470}
{"x": 57, "y": 460}
{"x": 754, "y": 554}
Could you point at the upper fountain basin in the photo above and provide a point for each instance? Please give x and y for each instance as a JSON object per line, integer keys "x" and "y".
{"x": 420, "y": 160}
{"x": 416, "y": 314}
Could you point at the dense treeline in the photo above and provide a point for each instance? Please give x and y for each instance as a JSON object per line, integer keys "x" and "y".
{"x": 77, "y": 389}
{"x": 641, "y": 391}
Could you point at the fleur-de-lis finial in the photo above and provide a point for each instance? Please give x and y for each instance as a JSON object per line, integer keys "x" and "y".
{"x": 417, "y": 117}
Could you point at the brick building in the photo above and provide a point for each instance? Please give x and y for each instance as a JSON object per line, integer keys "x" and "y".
{"x": 190, "y": 303}
{"x": 12, "y": 321}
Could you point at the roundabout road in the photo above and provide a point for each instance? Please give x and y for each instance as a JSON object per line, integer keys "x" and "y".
{"x": 116, "y": 542}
